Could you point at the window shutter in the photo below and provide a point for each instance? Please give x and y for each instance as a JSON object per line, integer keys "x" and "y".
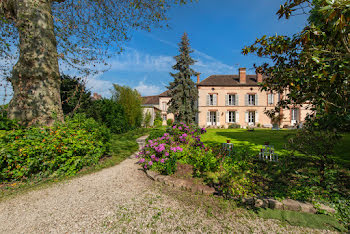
{"x": 278, "y": 97}
{"x": 237, "y": 117}
{"x": 226, "y": 100}
{"x": 218, "y": 118}
{"x": 215, "y": 99}
{"x": 298, "y": 115}
{"x": 227, "y": 117}
{"x": 208, "y": 118}
{"x": 269, "y": 98}
{"x": 272, "y": 97}
{"x": 208, "y": 100}
{"x": 236, "y": 100}
{"x": 256, "y": 117}
{"x": 246, "y": 116}
{"x": 246, "y": 99}
{"x": 256, "y": 99}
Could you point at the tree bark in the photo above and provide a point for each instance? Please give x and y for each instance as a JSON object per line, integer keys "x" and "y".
{"x": 35, "y": 77}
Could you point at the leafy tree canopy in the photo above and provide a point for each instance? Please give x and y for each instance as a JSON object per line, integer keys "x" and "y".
{"x": 313, "y": 66}
{"x": 130, "y": 100}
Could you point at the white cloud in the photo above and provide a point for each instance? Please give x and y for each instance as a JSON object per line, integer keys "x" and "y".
{"x": 133, "y": 60}
{"x": 102, "y": 87}
{"x": 148, "y": 90}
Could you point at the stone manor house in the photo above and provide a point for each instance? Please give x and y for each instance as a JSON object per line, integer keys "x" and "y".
{"x": 231, "y": 99}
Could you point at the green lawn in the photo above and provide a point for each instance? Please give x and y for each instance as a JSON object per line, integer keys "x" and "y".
{"x": 255, "y": 140}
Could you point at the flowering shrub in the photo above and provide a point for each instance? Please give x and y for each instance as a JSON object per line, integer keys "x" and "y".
{"x": 62, "y": 149}
{"x": 176, "y": 144}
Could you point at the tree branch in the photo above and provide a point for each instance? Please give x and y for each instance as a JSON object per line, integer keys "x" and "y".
{"x": 8, "y": 9}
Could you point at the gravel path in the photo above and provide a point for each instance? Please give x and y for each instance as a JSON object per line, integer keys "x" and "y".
{"x": 118, "y": 199}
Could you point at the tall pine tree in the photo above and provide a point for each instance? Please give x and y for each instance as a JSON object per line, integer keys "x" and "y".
{"x": 183, "y": 92}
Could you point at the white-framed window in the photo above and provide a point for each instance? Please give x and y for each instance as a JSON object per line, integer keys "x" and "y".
{"x": 164, "y": 106}
{"x": 251, "y": 99}
{"x": 295, "y": 114}
{"x": 251, "y": 117}
{"x": 212, "y": 99}
{"x": 270, "y": 98}
{"x": 164, "y": 117}
{"x": 231, "y": 100}
{"x": 213, "y": 118}
{"x": 278, "y": 97}
{"x": 231, "y": 116}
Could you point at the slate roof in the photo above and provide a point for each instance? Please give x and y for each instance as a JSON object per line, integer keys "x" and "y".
{"x": 165, "y": 94}
{"x": 228, "y": 80}
{"x": 154, "y": 100}
{"x": 150, "y": 100}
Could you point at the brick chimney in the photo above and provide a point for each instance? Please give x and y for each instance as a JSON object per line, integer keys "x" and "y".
{"x": 242, "y": 75}
{"x": 198, "y": 78}
{"x": 259, "y": 77}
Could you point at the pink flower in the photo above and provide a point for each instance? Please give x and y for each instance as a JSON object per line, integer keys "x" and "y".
{"x": 180, "y": 128}
{"x": 142, "y": 160}
{"x": 166, "y": 154}
{"x": 162, "y": 160}
{"x": 150, "y": 163}
{"x": 153, "y": 156}
{"x": 174, "y": 126}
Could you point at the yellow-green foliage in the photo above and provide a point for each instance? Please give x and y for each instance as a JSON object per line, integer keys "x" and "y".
{"x": 63, "y": 149}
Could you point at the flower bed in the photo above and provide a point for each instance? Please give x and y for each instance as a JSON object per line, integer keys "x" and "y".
{"x": 239, "y": 174}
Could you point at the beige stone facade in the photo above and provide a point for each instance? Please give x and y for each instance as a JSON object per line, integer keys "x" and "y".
{"x": 237, "y": 99}
{"x": 159, "y": 103}
{"x": 233, "y": 99}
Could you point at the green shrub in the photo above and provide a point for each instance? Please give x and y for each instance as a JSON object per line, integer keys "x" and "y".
{"x": 155, "y": 133}
{"x": 111, "y": 114}
{"x": 5, "y": 123}
{"x": 147, "y": 119}
{"x": 62, "y": 149}
{"x": 234, "y": 126}
{"x": 169, "y": 122}
{"x": 158, "y": 123}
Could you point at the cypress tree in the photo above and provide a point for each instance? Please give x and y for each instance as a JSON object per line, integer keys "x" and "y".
{"x": 183, "y": 92}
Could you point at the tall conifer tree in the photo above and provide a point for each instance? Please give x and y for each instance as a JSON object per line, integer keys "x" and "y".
{"x": 183, "y": 92}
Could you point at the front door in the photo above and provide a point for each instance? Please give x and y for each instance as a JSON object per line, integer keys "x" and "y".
{"x": 213, "y": 118}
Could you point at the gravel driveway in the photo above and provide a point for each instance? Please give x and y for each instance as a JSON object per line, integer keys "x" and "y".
{"x": 119, "y": 199}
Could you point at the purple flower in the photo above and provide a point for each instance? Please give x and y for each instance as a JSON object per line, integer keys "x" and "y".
{"x": 150, "y": 141}
{"x": 150, "y": 163}
{"x": 153, "y": 156}
{"x": 180, "y": 128}
{"x": 142, "y": 160}
{"x": 166, "y": 154}
{"x": 147, "y": 152}
{"x": 156, "y": 159}
{"x": 162, "y": 160}
{"x": 145, "y": 166}
{"x": 174, "y": 126}
{"x": 184, "y": 135}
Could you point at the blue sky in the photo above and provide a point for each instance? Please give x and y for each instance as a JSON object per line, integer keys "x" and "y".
{"x": 218, "y": 30}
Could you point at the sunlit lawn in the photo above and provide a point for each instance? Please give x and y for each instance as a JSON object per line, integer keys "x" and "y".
{"x": 279, "y": 139}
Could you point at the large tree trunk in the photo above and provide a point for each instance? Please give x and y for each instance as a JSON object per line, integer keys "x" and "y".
{"x": 35, "y": 77}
